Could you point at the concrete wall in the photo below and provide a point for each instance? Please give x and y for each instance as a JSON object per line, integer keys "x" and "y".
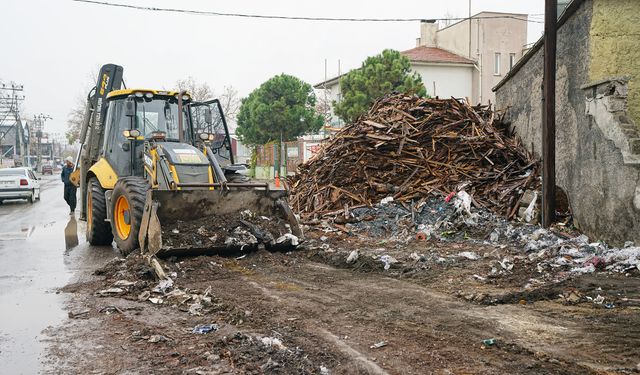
{"x": 615, "y": 51}
{"x": 449, "y": 80}
{"x": 602, "y": 190}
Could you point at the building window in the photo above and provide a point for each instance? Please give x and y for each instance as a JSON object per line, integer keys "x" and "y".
{"x": 496, "y": 63}
{"x": 512, "y": 60}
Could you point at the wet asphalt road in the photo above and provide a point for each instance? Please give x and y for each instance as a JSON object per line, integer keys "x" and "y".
{"x": 42, "y": 248}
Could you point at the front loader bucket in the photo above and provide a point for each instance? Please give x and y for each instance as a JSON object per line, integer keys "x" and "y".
{"x": 191, "y": 222}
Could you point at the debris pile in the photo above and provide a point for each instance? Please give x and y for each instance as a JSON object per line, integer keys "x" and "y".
{"x": 407, "y": 148}
{"x": 244, "y": 230}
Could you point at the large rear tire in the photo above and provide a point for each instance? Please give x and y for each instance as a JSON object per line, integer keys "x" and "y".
{"x": 98, "y": 229}
{"x": 127, "y": 203}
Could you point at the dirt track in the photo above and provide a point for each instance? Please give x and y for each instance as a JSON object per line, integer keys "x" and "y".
{"x": 328, "y": 318}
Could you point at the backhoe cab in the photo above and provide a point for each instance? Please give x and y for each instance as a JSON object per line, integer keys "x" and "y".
{"x": 157, "y": 171}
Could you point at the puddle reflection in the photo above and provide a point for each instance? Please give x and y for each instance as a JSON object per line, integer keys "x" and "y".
{"x": 71, "y": 234}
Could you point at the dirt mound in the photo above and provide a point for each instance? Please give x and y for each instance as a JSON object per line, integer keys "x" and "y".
{"x": 408, "y": 148}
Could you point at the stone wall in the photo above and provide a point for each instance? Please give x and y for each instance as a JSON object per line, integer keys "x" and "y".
{"x": 615, "y": 51}
{"x": 602, "y": 189}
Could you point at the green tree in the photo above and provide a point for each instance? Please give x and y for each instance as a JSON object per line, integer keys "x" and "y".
{"x": 281, "y": 109}
{"x": 379, "y": 75}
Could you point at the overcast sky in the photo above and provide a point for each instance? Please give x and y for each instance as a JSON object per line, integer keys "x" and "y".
{"x": 52, "y": 46}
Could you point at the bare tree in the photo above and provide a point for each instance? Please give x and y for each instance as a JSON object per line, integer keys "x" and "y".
{"x": 230, "y": 102}
{"x": 74, "y": 120}
{"x": 229, "y": 99}
{"x": 198, "y": 91}
{"x": 448, "y": 19}
{"x": 323, "y": 104}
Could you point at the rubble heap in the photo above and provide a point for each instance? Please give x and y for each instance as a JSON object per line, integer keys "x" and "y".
{"x": 409, "y": 148}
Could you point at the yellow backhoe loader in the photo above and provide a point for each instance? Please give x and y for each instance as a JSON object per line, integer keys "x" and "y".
{"x": 156, "y": 171}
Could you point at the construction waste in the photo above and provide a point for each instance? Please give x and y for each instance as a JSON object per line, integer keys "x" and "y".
{"x": 407, "y": 149}
{"x": 406, "y": 237}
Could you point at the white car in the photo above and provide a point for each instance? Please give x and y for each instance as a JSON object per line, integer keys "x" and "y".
{"x": 19, "y": 183}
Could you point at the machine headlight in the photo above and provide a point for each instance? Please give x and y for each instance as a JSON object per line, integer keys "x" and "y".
{"x": 204, "y": 136}
{"x": 131, "y": 133}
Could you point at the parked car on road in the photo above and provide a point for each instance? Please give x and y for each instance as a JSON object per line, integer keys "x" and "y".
{"x": 19, "y": 183}
{"x": 47, "y": 169}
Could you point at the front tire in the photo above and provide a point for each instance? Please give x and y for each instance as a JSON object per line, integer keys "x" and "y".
{"x": 98, "y": 229}
{"x": 127, "y": 203}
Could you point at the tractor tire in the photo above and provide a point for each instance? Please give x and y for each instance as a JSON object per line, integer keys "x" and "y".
{"x": 98, "y": 229}
{"x": 127, "y": 203}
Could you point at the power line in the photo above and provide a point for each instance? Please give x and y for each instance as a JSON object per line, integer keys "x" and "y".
{"x": 292, "y": 18}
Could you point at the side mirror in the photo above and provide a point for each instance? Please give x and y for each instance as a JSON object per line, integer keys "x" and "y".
{"x": 207, "y": 116}
{"x": 129, "y": 107}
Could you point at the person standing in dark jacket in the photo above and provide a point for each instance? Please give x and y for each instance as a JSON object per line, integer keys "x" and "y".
{"x": 69, "y": 187}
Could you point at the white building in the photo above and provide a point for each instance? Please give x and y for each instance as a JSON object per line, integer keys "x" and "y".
{"x": 463, "y": 60}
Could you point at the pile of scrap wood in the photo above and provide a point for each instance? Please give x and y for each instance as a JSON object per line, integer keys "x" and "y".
{"x": 409, "y": 148}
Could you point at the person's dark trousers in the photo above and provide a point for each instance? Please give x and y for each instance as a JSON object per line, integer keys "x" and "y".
{"x": 70, "y": 196}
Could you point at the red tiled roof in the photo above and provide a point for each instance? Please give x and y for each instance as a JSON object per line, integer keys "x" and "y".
{"x": 434, "y": 55}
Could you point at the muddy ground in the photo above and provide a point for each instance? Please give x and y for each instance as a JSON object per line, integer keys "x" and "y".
{"x": 315, "y": 311}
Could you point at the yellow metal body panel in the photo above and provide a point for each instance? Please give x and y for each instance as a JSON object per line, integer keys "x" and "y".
{"x": 153, "y": 171}
{"x": 204, "y": 151}
{"x": 133, "y": 91}
{"x": 172, "y": 168}
{"x": 104, "y": 173}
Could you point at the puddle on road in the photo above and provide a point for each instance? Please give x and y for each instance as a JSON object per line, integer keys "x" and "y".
{"x": 23, "y": 234}
{"x": 34, "y": 264}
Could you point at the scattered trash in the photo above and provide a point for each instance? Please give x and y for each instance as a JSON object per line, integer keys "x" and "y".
{"x": 528, "y": 213}
{"x": 205, "y": 328}
{"x": 288, "y": 238}
{"x": 78, "y": 314}
{"x": 388, "y": 260}
{"x": 597, "y": 262}
{"x": 110, "y": 310}
{"x": 272, "y": 342}
{"x": 124, "y": 283}
{"x": 378, "y": 345}
{"x": 110, "y": 292}
{"x": 599, "y": 300}
{"x": 163, "y": 285}
{"x": 241, "y": 257}
{"x": 489, "y": 342}
{"x": 386, "y": 200}
{"x": 157, "y": 338}
{"x": 144, "y": 296}
{"x": 155, "y": 300}
{"x": 324, "y": 371}
{"x": 469, "y": 255}
{"x": 353, "y": 256}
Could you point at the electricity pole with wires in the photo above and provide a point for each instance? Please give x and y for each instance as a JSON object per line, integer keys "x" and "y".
{"x": 549, "y": 116}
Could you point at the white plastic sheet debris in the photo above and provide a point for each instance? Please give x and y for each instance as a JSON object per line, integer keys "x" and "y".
{"x": 388, "y": 260}
{"x": 469, "y": 255}
{"x": 462, "y": 205}
{"x": 163, "y": 286}
{"x": 386, "y": 200}
{"x": 528, "y": 213}
{"x": 353, "y": 256}
{"x": 272, "y": 342}
{"x": 288, "y": 237}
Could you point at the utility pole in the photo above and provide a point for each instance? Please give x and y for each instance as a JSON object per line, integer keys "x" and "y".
{"x": 549, "y": 116}
{"x": 9, "y": 107}
{"x": 39, "y": 121}
{"x": 469, "y": 30}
